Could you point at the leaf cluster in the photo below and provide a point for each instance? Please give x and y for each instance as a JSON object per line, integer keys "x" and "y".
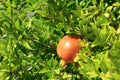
{"x": 31, "y": 29}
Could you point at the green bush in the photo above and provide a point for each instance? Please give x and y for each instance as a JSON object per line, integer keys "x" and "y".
{"x": 31, "y": 29}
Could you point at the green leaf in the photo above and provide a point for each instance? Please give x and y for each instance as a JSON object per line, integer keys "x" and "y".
{"x": 92, "y": 74}
{"x": 109, "y": 8}
{"x": 43, "y": 71}
{"x": 116, "y": 4}
{"x": 27, "y": 45}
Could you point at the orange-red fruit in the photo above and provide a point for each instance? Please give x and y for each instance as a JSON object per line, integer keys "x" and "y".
{"x": 68, "y": 47}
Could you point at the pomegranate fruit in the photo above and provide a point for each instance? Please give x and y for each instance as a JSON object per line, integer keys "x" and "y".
{"x": 68, "y": 47}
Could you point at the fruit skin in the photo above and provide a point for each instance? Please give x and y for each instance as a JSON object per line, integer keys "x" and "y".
{"x": 68, "y": 47}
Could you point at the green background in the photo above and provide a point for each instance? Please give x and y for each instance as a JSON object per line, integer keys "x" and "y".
{"x": 31, "y": 29}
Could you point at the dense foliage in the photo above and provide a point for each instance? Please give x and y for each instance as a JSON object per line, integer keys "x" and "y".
{"x": 31, "y": 29}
